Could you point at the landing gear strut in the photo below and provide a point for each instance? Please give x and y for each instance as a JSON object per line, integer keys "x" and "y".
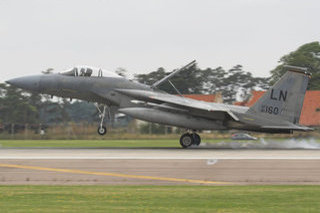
{"x": 189, "y": 139}
{"x": 102, "y": 130}
{"x": 196, "y": 138}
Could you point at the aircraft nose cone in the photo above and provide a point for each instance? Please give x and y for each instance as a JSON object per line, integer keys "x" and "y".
{"x": 8, "y": 81}
{"x": 28, "y": 83}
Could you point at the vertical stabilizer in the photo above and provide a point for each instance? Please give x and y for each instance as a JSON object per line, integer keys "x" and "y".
{"x": 284, "y": 99}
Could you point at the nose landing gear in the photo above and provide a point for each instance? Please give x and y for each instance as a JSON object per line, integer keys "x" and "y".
{"x": 189, "y": 139}
{"x": 102, "y": 130}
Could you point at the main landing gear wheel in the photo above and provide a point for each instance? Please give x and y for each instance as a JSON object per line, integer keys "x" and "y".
{"x": 186, "y": 140}
{"x": 102, "y": 130}
{"x": 196, "y": 139}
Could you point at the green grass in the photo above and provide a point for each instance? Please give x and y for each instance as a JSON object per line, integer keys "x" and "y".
{"x": 89, "y": 143}
{"x": 105, "y": 143}
{"x": 160, "y": 198}
{"x": 95, "y": 143}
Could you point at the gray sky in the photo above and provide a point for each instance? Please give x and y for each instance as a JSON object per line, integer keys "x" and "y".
{"x": 143, "y": 35}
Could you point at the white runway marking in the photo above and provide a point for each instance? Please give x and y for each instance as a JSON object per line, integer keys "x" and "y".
{"x": 212, "y": 161}
{"x": 144, "y": 154}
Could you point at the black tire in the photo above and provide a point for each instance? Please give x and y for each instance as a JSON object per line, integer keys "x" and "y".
{"x": 196, "y": 139}
{"x": 102, "y": 130}
{"x": 186, "y": 140}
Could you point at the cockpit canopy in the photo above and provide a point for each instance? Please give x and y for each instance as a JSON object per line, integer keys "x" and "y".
{"x": 89, "y": 72}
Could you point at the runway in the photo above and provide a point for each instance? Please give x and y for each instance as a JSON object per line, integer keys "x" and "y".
{"x": 159, "y": 166}
{"x": 158, "y": 153}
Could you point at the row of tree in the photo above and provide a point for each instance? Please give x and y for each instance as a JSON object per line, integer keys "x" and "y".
{"x": 18, "y": 106}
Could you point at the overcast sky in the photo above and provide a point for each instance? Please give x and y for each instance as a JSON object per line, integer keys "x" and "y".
{"x": 142, "y": 35}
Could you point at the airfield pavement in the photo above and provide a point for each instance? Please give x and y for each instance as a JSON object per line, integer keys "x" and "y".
{"x": 158, "y": 166}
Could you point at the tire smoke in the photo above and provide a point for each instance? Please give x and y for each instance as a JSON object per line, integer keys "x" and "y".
{"x": 266, "y": 144}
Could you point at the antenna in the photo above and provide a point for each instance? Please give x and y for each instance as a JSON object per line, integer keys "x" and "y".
{"x": 175, "y": 88}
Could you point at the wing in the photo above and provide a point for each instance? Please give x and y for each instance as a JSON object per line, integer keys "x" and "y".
{"x": 194, "y": 107}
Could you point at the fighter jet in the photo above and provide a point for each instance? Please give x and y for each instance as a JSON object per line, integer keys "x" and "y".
{"x": 277, "y": 111}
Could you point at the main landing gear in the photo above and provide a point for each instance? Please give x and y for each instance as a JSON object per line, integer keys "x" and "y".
{"x": 189, "y": 139}
{"x": 102, "y": 130}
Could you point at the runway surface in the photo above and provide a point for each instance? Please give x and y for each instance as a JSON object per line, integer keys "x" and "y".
{"x": 157, "y": 153}
{"x": 159, "y": 166}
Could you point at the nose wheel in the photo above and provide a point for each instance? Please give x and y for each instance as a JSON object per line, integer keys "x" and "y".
{"x": 102, "y": 130}
{"x": 189, "y": 139}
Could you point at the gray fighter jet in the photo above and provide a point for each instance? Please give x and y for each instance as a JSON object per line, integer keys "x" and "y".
{"x": 278, "y": 111}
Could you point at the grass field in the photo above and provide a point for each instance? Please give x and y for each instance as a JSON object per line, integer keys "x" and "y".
{"x": 160, "y": 198}
{"x": 90, "y": 143}
{"x": 96, "y": 143}
{"x": 110, "y": 143}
